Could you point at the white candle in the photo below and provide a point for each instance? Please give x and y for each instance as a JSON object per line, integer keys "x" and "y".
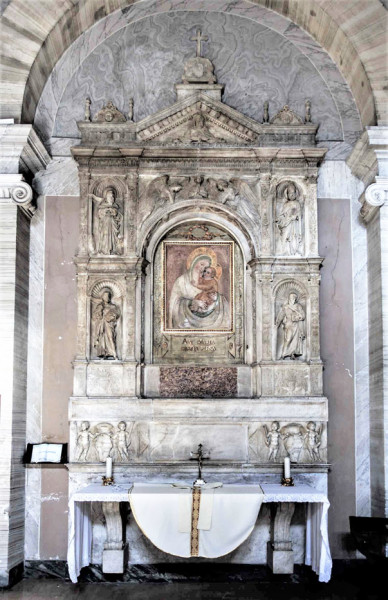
{"x": 109, "y": 463}
{"x": 287, "y": 468}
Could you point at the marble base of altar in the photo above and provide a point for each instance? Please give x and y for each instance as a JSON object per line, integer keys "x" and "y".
{"x": 317, "y": 552}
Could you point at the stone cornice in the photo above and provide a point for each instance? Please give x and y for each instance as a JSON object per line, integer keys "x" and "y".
{"x": 14, "y": 189}
{"x": 21, "y": 150}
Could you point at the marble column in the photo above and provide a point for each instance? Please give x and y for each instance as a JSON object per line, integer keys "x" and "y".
{"x": 20, "y": 149}
{"x": 375, "y": 213}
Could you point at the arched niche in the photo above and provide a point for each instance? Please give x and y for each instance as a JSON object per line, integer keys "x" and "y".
{"x": 179, "y": 334}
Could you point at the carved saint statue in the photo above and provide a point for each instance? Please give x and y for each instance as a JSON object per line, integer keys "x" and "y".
{"x": 122, "y": 440}
{"x": 289, "y": 221}
{"x": 105, "y": 315}
{"x": 313, "y": 441}
{"x": 108, "y": 224}
{"x": 84, "y": 438}
{"x": 272, "y": 440}
{"x": 291, "y": 318}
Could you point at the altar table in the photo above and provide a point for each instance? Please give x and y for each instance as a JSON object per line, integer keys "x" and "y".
{"x": 317, "y": 552}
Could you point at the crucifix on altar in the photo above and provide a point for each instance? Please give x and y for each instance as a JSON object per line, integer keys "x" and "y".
{"x": 199, "y": 38}
{"x": 199, "y": 456}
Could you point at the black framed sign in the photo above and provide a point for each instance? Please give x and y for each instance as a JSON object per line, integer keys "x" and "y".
{"x": 46, "y": 453}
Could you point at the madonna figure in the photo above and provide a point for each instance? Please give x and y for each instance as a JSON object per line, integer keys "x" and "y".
{"x": 195, "y": 300}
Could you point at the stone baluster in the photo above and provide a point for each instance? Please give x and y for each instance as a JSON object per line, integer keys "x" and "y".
{"x": 280, "y": 556}
{"x": 113, "y": 556}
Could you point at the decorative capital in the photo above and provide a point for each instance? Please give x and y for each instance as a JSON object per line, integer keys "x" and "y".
{"x": 15, "y": 189}
{"x": 374, "y": 197}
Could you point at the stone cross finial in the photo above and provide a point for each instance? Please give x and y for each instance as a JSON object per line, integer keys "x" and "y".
{"x": 199, "y": 38}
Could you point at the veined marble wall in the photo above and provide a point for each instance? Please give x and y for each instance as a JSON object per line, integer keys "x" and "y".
{"x": 130, "y": 54}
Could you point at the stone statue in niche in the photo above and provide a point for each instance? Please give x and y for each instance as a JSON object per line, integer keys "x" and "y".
{"x": 108, "y": 224}
{"x": 289, "y": 221}
{"x": 123, "y": 441}
{"x": 313, "y": 441}
{"x": 272, "y": 440}
{"x": 84, "y": 439}
{"x": 105, "y": 317}
{"x": 291, "y": 318}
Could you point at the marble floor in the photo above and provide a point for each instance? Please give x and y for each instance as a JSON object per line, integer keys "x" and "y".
{"x": 355, "y": 580}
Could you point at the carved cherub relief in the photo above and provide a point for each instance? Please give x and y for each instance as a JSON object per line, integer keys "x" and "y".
{"x": 107, "y": 223}
{"x": 272, "y": 440}
{"x": 84, "y": 440}
{"x": 289, "y": 220}
{"x": 235, "y": 193}
{"x": 122, "y": 441}
{"x": 313, "y": 441}
{"x": 128, "y": 442}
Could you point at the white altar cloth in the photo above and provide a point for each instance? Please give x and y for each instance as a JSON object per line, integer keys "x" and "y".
{"x": 79, "y": 549}
{"x": 317, "y": 552}
{"x": 317, "y": 549}
{"x": 157, "y": 509}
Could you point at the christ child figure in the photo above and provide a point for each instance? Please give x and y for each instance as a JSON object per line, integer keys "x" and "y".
{"x": 206, "y": 299}
{"x": 313, "y": 441}
{"x": 122, "y": 439}
{"x": 272, "y": 440}
{"x": 83, "y": 441}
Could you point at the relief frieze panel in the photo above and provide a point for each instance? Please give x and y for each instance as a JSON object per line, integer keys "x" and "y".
{"x": 304, "y": 442}
{"x": 124, "y": 441}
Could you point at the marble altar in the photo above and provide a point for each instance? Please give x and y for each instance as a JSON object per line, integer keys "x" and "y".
{"x": 198, "y": 291}
{"x": 163, "y": 500}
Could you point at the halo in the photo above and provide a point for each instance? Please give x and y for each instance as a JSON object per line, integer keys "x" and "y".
{"x": 198, "y": 252}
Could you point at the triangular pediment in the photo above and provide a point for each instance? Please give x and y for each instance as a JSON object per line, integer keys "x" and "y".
{"x": 200, "y": 120}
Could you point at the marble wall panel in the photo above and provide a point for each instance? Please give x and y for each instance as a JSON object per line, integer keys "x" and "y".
{"x": 175, "y": 441}
{"x": 34, "y": 377}
{"x": 337, "y": 339}
{"x": 336, "y": 181}
{"x": 60, "y": 324}
{"x": 198, "y": 382}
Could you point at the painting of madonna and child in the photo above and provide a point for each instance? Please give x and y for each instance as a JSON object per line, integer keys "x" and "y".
{"x": 198, "y": 287}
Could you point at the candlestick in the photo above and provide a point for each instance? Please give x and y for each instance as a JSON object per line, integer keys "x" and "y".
{"x": 109, "y": 465}
{"x": 287, "y": 479}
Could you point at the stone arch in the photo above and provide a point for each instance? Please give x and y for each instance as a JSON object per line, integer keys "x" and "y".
{"x": 48, "y": 37}
{"x": 153, "y": 242}
{"x": 155, "y": 229}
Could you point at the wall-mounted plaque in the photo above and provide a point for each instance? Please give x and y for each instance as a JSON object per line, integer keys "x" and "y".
{"x": 198, "y": 287}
